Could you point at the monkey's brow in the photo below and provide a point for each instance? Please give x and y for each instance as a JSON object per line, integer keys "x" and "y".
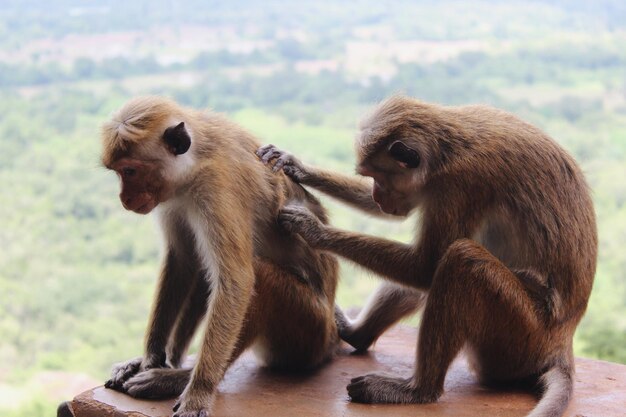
{"x": 381, "y": 143}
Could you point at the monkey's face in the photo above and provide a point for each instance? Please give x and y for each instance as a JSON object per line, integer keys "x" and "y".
{"x": 142, "y": 185}
{"x": 147, "y": 169}
{"x": 393, "y": 169}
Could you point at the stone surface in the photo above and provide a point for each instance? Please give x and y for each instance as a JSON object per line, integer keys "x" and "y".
{"x": 250, "y": 390}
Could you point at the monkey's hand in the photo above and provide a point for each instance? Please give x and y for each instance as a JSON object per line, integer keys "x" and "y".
{"x": 290, "y": 165}
{"x": 123, "y": 371}
{"x": 300, "y": 220}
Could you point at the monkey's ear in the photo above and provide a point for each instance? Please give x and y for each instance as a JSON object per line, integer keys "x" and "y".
{"x": 405, "y": 156}
{"x": 177, "y": 139}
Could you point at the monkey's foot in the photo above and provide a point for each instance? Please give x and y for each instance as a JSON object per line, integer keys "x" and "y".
{"x": 193, "y": 405}
{"x": 347, "y": 333}
{"x": 158, "y": 383}
{"x": 359, "y": 343}
{"x": 121, "y": 372}
{"x": 198, "y": 413}
{"x": 382, "y": 389}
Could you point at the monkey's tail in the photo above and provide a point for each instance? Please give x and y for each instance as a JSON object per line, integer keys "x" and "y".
{"x": 557, "y": 390}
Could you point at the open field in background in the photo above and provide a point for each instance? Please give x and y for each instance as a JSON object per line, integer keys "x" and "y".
{"x": 77, "y": 272}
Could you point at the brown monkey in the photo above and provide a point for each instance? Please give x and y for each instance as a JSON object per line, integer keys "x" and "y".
{"x": 225, "y": 255}
{"x": 506, "y": 247}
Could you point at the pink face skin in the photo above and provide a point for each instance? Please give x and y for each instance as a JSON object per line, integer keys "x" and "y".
{"x": 141, "y": 184}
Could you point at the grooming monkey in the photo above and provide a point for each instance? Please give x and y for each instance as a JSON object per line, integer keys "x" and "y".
{"x": 225, "y": 255}
{"x": 506, "y": 245}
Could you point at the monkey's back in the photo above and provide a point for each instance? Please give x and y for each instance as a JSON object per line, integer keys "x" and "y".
{"x": 295, "y": 284}
{"x": 540, "y": 213}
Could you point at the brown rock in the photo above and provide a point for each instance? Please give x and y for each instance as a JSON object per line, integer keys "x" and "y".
{"x": 249, "y": 390}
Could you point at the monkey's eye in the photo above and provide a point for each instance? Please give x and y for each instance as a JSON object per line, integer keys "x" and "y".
{"x": 407, "y": 157}
{"x": 128, "y": 172}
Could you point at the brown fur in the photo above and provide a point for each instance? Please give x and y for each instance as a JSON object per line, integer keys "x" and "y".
{"x": 506, "y": 246}
{"x": 225, "y": 255}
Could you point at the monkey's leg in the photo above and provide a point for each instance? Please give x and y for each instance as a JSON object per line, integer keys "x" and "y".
{"x": 390, "y": 303}
{"x": 474, "y": 299}
{"x": 188, "y": 320}
{"x": 298, "y": 330}
{"x": 162, "y": 383}
{"x": 175, "y": 282}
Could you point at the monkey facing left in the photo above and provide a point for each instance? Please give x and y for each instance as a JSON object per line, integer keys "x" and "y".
{"x": 225, "y": 257}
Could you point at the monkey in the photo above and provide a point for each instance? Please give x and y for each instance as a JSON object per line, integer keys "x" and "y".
{"x": 505, "y": 249}
{"x": 225, "y": 256}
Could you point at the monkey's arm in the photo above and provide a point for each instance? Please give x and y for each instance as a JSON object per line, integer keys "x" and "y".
{"x": 405, "y": 264}
{"x": 228, "y": 256}
{"x": 354, "y": 191}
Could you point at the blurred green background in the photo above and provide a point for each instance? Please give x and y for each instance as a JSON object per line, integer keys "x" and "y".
{"x": 77, "y": 272}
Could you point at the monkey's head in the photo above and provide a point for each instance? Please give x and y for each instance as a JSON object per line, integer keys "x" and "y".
{"x": 396, "y": 149}
{"x": 148, "y": 145}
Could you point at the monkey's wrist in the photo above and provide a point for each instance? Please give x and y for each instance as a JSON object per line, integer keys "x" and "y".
{"x": 320, "y": 238}
{"x": 308, "y": 176}
{"x": 153, "y": 360}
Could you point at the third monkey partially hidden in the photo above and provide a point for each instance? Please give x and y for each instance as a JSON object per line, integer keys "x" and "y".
{"x": 506, "y": 246}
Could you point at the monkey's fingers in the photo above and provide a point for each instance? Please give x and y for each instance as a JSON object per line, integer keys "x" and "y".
{"x": 268, "y": 152}
{"x": 122, "y": 372}
{"x": 294, "y": 172}
{"x": 357, "y": 390}
{"x": 300, "y": 220}
{"x": 193, "y": 413}
{"x": 199, "y": 413}
{"x": 284, "y": 159}
{"x": 264, "y": 149}
{"x": 290, "y": 217}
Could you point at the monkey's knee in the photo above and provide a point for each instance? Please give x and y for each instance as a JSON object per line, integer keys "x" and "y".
{"x": 465, "y": 253}
{"x": 464, "y": 260}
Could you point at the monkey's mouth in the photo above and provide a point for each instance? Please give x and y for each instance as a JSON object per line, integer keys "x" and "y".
{"x": 385, "y": 203}
{"x": 142, "y": 204}
{"x": 387, "y": 206}
{"x": 145, "y": 208}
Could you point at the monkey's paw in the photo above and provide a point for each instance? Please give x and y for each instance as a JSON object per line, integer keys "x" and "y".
{"x": 297, "y": 219}
{"x": 382, "y": 389}
{"x": 157, "y": 383}
{"x": 193, "y": 406}
{"x": 121, "y": 372}
{"x": 290, "y": 165}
